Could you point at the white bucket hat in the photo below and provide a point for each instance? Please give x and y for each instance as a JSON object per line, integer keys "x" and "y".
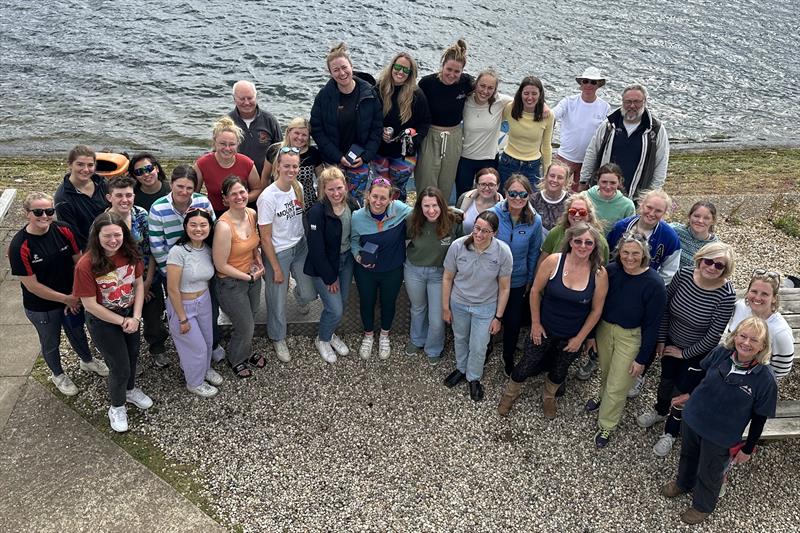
{"x": 592, "y": 73}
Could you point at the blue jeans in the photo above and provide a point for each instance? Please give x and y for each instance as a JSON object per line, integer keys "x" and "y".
{"x": 471, "y": 331}
{"x": 333, "y": 304}
{"x": 290, "y": 260}
{"x": 465, "y": 175}
{"x": 424, "y": 287}
{"x": 508, "y": 165}
{"x": 48, "y": 326}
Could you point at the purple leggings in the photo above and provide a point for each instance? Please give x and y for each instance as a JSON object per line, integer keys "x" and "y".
{"x": 194, "y": 347}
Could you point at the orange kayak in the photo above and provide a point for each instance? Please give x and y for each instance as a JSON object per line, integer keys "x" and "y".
{"x": 110, "y": 164}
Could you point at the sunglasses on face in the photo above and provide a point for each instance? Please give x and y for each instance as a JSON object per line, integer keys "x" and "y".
{"x": 581, "y": 242}
{"x": 590, "y": 82}
{"x": 141, "y": 171}
{"x": 574, "y": 212}
{"x": 400, "y": 68}
{"x": 518, "y": 194}
{"x": 39, "y": 212}
{"x": 716, "y": 264}
{"x": 287, "y": 149}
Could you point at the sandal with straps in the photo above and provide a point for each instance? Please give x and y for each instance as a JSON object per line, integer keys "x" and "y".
{"x": 258, "y": 360}
{"x": 242, "y": 371}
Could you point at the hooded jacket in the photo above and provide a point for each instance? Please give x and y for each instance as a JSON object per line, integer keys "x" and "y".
{"x": 77, "y": 209}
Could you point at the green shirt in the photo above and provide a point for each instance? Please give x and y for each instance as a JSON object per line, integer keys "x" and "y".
{"x": 428, "y": 249}
{"x": 555, "y": 240}
{"x": 609, "y": 212}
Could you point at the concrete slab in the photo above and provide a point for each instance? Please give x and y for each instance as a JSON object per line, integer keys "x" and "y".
{"x": 58, "y": 473}
{"x": 19, "y": 349}
{"x": 11, "y": 311}
{"x": 10, "y": 389}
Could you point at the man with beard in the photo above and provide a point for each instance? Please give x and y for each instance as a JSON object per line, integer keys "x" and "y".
{"x": 260, "y": 128}
{"x": 633, "y": 139}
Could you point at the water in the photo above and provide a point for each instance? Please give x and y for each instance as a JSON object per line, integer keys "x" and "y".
{"x": 153, "y": 74}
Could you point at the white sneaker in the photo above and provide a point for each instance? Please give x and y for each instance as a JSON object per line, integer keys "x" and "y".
{"x": 118, "y": 416}
{"x": 664, "y": 445}
{"x": 636, "y": 388}
{"x": 64, "y": 385}
{"x": 95, "y": 365}
{"x": 213, "y": 377}
{"x": 325, "y": 350}
{"x": 366, "y": 346}
{"x": 218, "y": 354}
{"x": 339, "y": 346}
{"x": 282, "y": 351}
{"x": 138, "y": 398}
{"x": 649, "y": 418}
{"x": 384, "y": 347}
{"x": 204, "y": 390}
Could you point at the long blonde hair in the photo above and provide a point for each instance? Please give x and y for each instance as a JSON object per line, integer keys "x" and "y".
{"x": 405, "y": 99}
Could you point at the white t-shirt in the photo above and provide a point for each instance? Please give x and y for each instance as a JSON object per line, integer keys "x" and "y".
{"x": 482, "y": 129}
{"x": 578, "y": 122}
{"x": 285, "y": 212}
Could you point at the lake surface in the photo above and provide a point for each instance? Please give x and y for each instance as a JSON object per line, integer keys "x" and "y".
{"x": 154, "y": 74}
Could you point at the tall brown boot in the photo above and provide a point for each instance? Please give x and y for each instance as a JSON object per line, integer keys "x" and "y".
{"x": 510, "y": 396}
{"x": 549, "y": 399}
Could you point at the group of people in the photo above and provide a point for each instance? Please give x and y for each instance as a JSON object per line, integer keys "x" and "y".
{"x": 486, "y": 246}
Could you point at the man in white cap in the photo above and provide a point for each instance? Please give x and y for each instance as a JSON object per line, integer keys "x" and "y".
{"x": 579, "y": 116}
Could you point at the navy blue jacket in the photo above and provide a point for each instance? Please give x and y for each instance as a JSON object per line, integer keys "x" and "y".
{"x": 325, "y": 121}
{"x": 324, "y": 237}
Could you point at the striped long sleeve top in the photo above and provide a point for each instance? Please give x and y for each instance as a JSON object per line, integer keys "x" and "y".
{"x": 165, "y": 225}
{"x": 695, "y": 318}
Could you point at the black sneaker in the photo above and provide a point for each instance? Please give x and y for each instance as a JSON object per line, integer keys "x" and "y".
{"x": 602, "y": 437}
{"x": 455, "y": 377}
{"x": 475, "y": 391}
{"x": 592, "y": 405}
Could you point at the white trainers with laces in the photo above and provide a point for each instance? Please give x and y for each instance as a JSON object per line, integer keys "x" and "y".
{"x": 339, "y": 346}
{"x": 384, "y": 347}
{"x": 64, "y": 385}
{"x": 636, "y": 388}
{"x": 118, "y": 417}
{"x": 214, "y": 377}
{"x": 138, "y": 398}
{"x": 366, "y": 346}
{"x": 649, "y": 418}
{"x": 95, "y": 365}
{"x": 282, "y": 351}
{"x": 664, "y": 445}
{"x": 325, "y": 350}
{"x": 204, "y": 390}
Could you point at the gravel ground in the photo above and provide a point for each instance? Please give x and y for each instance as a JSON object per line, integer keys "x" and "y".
{"x": 376, "y": 446}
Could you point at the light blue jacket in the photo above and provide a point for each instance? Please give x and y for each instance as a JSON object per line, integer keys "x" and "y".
{"x": 525, "y": 241}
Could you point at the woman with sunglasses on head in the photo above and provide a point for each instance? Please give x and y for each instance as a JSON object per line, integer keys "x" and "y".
{"x": 298, "y": 136}
{"x": 700, "y": 303}
{"x": 432, "y": 227}
{"x": 551, "y": 200}
{"x": 530, "y": 131}
{"x": 329, "y": 261}
{"x": 698, "y": 231}
{"x": 283, "y": 243}
{"x": 610, "y": 204}
{"x": 736, "y": 376}
{"x": 43, "y": 254}
{"x": 237, "y": 260}
{"x": 761, "y": 300}
{"x": 475, "y": 287}
{"x": 82, "y": 194}
{"x": 627, "y": 333}
{"x": 404, "y": 107}
{"x": 577, "y": 208}
{"x": 446, "y": 92}
{"x": 520, "y": 227}
{"x": 483, "y": 115}
{"x": 224, "y": 160}
{"x": 346, "y": 121}
{"x": 190, "y": 267}
{"x": 483, "y": 197}
{"x": 151, "y": 181}
{"x": 566, "y": 302}
{"x": 108, "y": 280}
{"x": 377, "y": 241}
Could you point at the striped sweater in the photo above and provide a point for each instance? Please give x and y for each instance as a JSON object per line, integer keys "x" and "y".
{"x": 695, "y": 318}
{"x": 165, "y": 226}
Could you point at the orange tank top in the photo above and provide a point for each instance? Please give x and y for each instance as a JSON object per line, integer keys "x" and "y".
{"x": 241, "y": 255}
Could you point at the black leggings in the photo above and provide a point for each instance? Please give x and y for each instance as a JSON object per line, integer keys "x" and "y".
{"x": 369, "y": 283}
{"x": 512, "y": 322}
{"x": 549, "y": 355}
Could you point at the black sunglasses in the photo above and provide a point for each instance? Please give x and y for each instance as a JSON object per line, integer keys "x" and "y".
{"x": 590, "y": 82}
{"x": 39, "y": 212}
{"x": 716, "y": 264}
{"x": 141, "y": 171}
